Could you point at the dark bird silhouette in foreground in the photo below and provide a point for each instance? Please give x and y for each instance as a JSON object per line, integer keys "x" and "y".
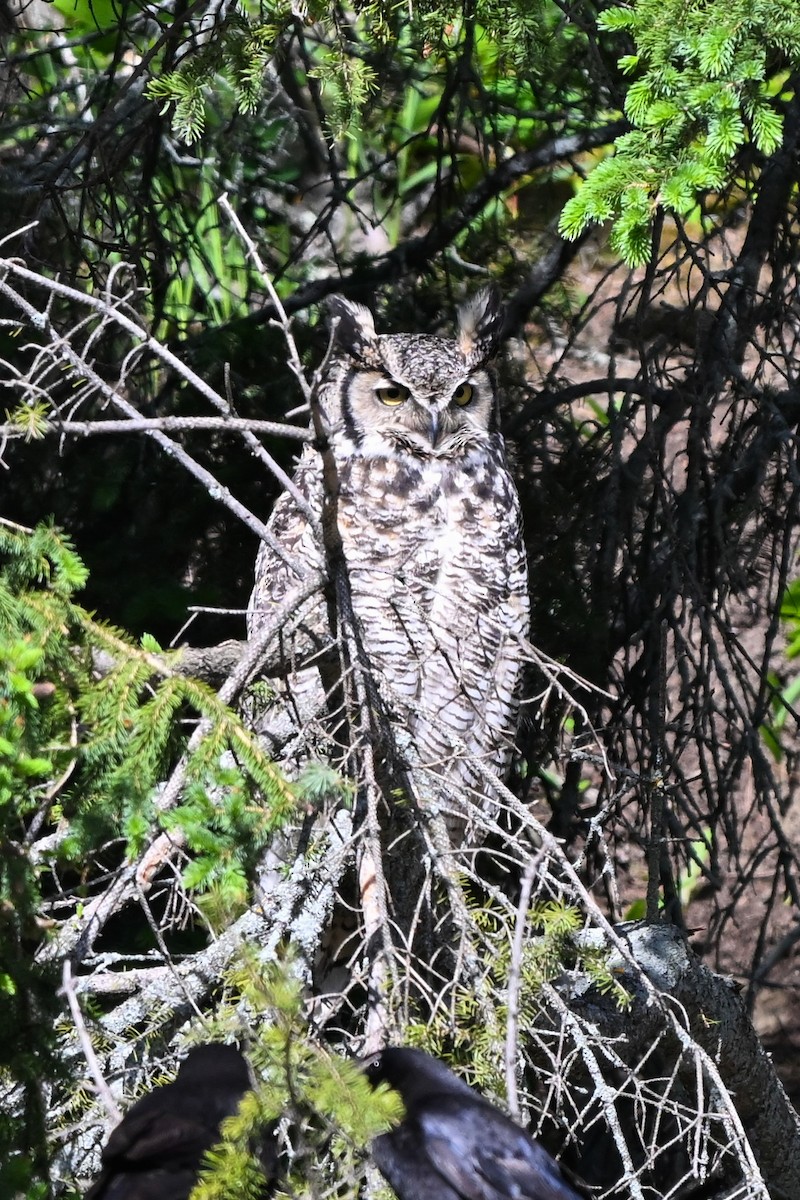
{"x": 156, "y": 1150}
{"x": 454, "y": 1145}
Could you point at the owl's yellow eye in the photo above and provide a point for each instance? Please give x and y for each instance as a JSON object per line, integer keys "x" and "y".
{"x": 393, "y": 394}
{"x": 463, "y": 394}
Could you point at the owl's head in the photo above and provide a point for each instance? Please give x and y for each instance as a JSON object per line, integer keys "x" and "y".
{"x": 417, "y": 392}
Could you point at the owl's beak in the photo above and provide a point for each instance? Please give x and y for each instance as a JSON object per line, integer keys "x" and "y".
{"x": 434, "y": 427}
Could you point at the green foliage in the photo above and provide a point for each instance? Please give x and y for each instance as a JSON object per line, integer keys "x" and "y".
{"x": 343, "y": 61}
{"x": 225, "y": 830}
{"x": 558, "y": 947}
{"x": 132, "y": 714}
{"x": 785, "y": 693}
{"x": 88, "y": 16}
{"x": 318, "y": 780}
{"x": 790, "y": 615}
{"x": 31, "y": 752}
{"x": 30, "y": 417}
{"x": 19, "y": 663}
{"x": 705, "y": 85}
{"x": 195, "y": 268}
{"x": 134, "y": 730}
{"x": 134, "y": 736}
{"x": 39, "y": 570}
{"x": 230, "y": 1170}
{"x": 215, "y": 274}
{"x": 239, "y": 53}
{"x": 346, "y": 83}
{"x": 515, "y": 24}
{"x": 333, "y": 1112}
{"x": 554, "y": 945}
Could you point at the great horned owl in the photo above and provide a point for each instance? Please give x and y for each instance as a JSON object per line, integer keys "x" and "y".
{"x": 430, "y": 527}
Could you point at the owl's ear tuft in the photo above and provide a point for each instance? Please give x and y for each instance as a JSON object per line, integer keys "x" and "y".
{"x": 352, "y": 328}
{"x": 480, "y": 323}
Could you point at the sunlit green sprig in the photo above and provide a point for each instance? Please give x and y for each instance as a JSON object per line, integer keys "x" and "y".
{"x": 705, "y": 80}
{"x": 331, "y": 1110}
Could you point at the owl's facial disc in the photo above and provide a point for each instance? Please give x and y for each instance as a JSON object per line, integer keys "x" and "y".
{"x": 427, "y": 416}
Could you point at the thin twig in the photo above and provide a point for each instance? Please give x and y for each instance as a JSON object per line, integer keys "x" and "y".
{"x": 103, "y": 1090}
{"x": 145, "y": 424}
{"x": 515, "y": 982}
